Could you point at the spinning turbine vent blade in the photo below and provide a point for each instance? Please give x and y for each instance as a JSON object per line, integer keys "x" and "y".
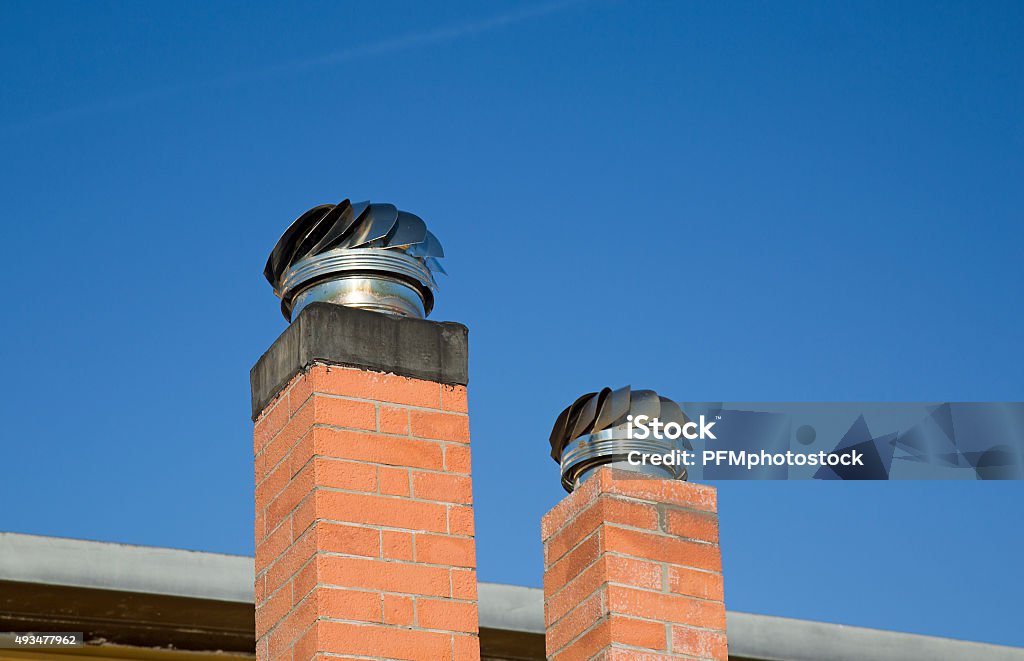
{"x": 410, "y": 230}
{"x": 367, "y": 255}
{"x": 287, "y": 242}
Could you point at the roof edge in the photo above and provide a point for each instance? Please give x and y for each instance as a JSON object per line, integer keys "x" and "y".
{"x": 66, "y": 562}
{"x": 126, "y": 568}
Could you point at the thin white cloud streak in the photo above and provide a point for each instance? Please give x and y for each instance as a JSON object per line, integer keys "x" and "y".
{"x": 397, "y": 44}
{"x": 411, "y": 41}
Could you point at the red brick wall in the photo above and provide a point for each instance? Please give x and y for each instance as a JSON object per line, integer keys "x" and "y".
{"x": 632, "y": 570}
{"x": 364, "y": 520}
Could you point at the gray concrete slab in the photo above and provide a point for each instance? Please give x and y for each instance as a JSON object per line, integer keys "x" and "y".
{"x": 339, "y": 335}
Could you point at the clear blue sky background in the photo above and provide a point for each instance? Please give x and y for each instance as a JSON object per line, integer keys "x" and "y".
{"x": 742, "y": 202}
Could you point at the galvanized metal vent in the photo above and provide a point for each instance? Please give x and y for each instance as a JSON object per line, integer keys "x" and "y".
{"x": 593, "y": 432}
{"x": 364, "y": 255}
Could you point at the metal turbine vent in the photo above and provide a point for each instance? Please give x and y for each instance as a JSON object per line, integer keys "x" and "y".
{"x": 363, "y": 255}
{"x": 592, "y": 432}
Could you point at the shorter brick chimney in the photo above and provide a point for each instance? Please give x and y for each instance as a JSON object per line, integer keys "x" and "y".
{"x": 633, "y": 571}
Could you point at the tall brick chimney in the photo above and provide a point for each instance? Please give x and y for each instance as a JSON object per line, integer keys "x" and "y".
{"x": 633, "y": 571}
{"x": 364, "y": 515}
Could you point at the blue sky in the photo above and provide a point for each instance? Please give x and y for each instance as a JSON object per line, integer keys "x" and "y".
{"x": 739, "y": 202}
